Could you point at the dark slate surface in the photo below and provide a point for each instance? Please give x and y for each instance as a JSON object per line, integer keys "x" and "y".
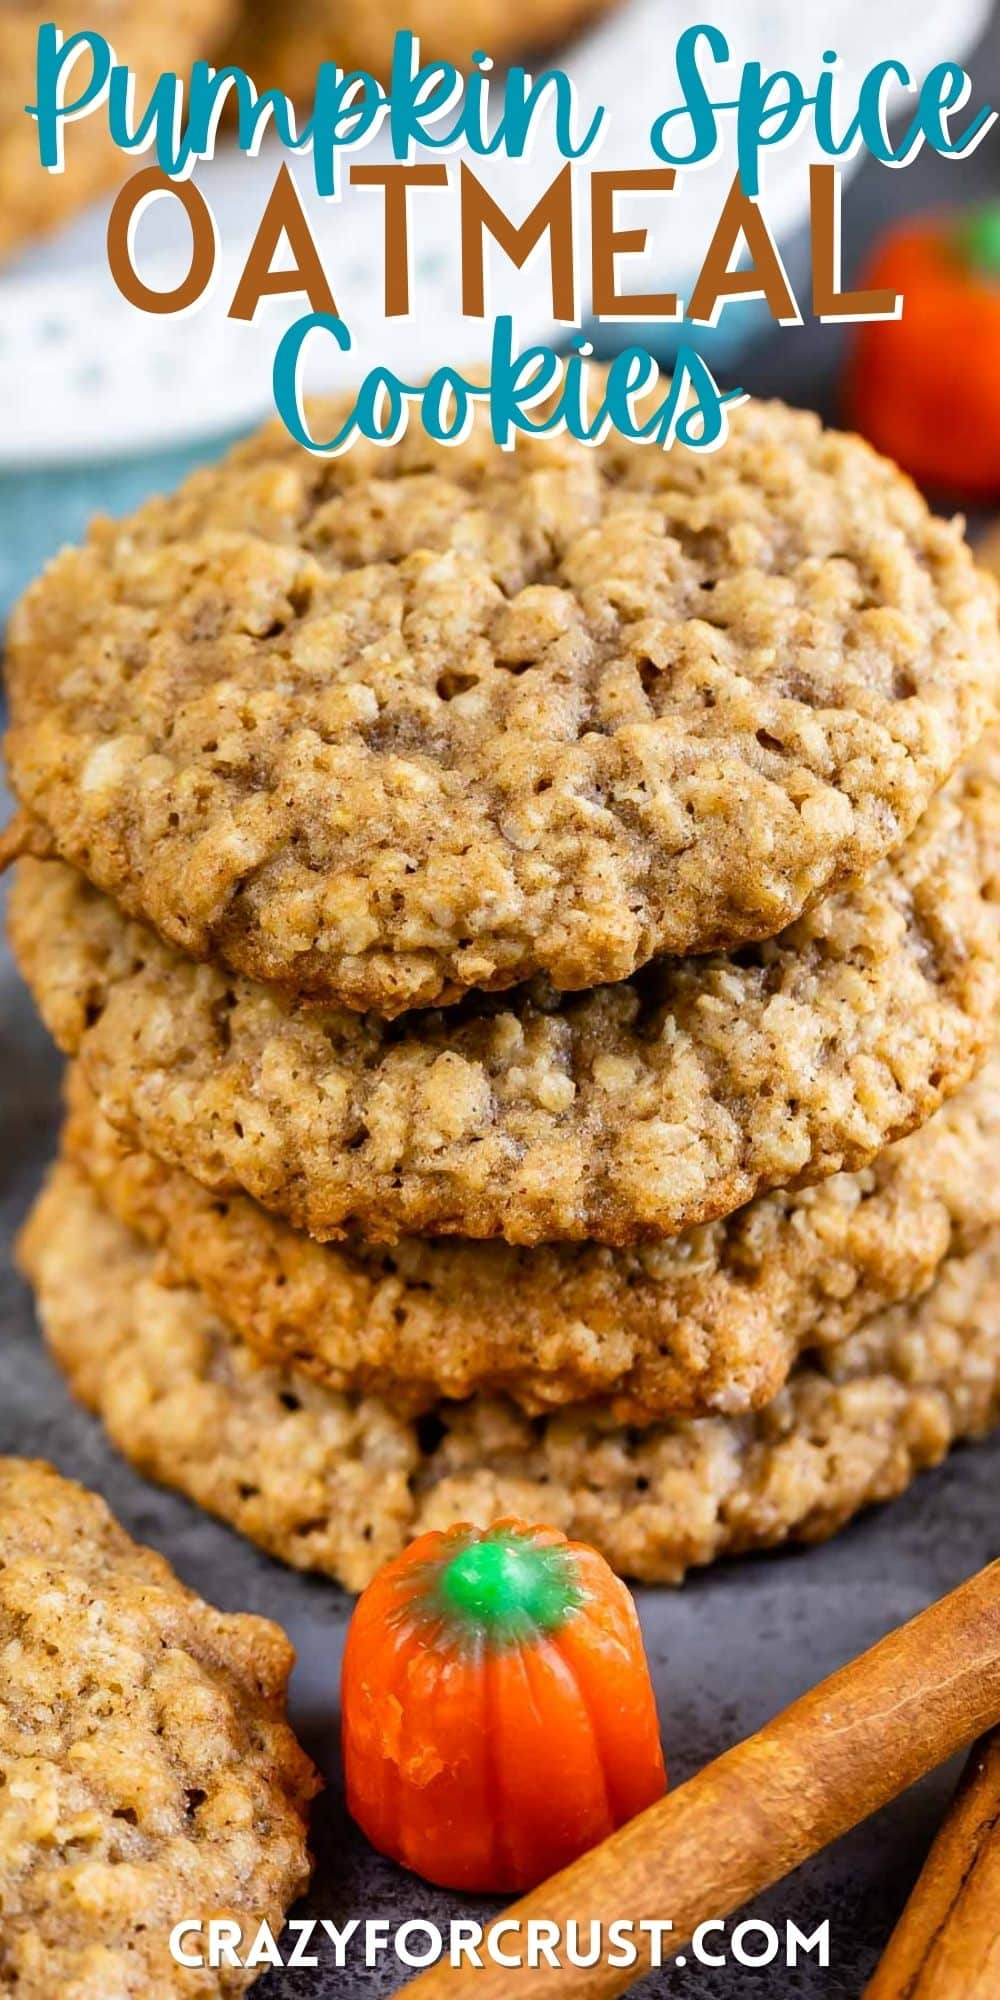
{"x": 730, "y": 1649}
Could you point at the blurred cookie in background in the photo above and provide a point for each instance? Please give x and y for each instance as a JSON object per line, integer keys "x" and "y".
{"x": 282, "y": 47}
{"x": 339, "y": 1484}
{"x": 149, "y": 35}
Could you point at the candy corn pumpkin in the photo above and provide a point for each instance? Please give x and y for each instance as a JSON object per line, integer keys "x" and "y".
{"x": 498, "y": 1715}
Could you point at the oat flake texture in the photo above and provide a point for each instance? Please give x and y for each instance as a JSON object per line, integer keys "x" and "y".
{"x": 146, "y": 1768}
{"x": 340, "y": 1484}
{"x": 616, "y": 1116}
{"x": 391, "y": 725}
{"x": 149, "y": 35}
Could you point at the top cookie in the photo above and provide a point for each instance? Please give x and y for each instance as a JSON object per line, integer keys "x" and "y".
{"x": 146, "y": 1769}
{"x": 388, "y": 726}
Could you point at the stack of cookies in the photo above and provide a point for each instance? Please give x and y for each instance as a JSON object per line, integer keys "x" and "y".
{"x": 151, "y": 36}
{"x": 527, "y": 932}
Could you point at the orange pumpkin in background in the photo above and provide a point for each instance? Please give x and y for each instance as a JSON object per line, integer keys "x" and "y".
{"x": 498, "y": 1715}
{"x": 925, "y": 389}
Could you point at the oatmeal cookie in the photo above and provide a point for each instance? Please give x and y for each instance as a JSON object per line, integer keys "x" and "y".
{"x": 281, "y": 47}
{"x": 339, "y": 1483}
{"x": 150, "y": 35}
{"x": 146, "y": 1769}
{"x": 708, "y": 1321}
{"x": 988, "y": 552}
{"x": 616, "y": 1116}
{"x": 388, "y": 726}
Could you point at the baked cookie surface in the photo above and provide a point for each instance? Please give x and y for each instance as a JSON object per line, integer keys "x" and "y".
{"x": 340, "y": 1484}
{"x": 708, "y": 1321}
{"x": 148, "y": 1771}
{"x": 616, "y": 1116}
{"x": 150, "y": 35}
{"x": 281, "y": 47}
{"x": 389, "y": 726}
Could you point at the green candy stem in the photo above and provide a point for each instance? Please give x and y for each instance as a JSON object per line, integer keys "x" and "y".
{"x": 506, "y": 1588}
{"x": 978, "y": 239}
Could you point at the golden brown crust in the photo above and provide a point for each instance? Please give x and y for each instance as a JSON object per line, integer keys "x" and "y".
{"x": 388, "y": 726}
{"x": 709, "y": 1321}
{"x": 146, "y": 1769}
{"x": 149, "y": 35}
{"x": 616, "y": 1116}
{"x": 341, "y": 1483}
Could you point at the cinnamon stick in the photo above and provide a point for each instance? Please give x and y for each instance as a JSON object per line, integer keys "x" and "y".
{"x": 834, "y": 1757}
{"x": 946, "y": 1945}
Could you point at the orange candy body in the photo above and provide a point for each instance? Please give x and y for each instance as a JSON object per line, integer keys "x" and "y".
{"x": 485, "y": 1759}
{"x": 925, "y": 389}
